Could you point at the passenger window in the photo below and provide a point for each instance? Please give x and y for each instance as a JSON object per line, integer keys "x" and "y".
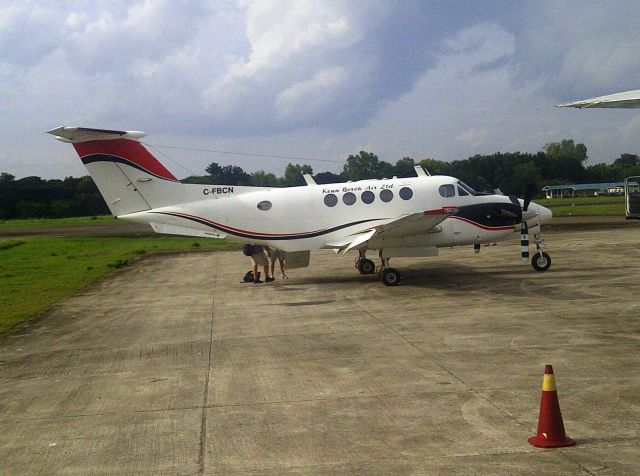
{"x": 386, "y": 195}
{"x": 462, "y": 192}
{"x": 330, "y": 200}
{"x": 264, "y": 205}
{"x": 367, "y": 197}
{"x": 406, "y": 193}
{"x": 447, "y": 190}
{"x": 349, "y": 198}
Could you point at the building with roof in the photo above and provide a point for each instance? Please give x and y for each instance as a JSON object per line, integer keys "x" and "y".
{"x": 584, "y": 189}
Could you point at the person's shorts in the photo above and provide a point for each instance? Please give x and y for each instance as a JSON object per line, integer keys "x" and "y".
{"x": 260, "y": 259}
{"x": 277, "y": 254}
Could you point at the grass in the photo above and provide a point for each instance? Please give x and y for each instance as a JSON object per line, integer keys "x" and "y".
{"x": 553, "y": 202}
{"x": 585, "y": 206}
{"x": 36, "y": 272}
{"x": 31, "y": 223}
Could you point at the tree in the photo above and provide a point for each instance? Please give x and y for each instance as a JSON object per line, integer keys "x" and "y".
{"x": 564, "y": 160}
{"x": 328, "y": 177}
{"x": 293, "y": 174}
{"x": 526, "y": 179}
{"x": 405, "y": 167}
{"x": 627, "y": 160}
{"x": 228, "y": 174}
{"x": 366, "y": 165}
{"x": 436, "y": 167}
{"x": 261, "y": 178}
{"x": 200, "y": 179}
{"x": 599, "y": 173}
{"x": 6, "y": 179}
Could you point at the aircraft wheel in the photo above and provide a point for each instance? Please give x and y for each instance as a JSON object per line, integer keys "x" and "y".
{"x": 366, "y": 266}
{"x": 541, "y": 263}
{"x": 391, "y": 277}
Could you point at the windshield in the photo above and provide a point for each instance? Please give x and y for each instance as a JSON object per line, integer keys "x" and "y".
{"x": 466, "y": 187}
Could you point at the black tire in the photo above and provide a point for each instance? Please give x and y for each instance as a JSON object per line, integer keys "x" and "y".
{"x": 541, "y": 263}
{"x": 390, "y": 277}
{"x": 366, "y": 266}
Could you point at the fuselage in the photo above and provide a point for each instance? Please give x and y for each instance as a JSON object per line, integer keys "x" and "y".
{"x": 321, "y": 216}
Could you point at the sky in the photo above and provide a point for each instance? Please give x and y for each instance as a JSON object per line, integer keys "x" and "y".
{"x": 314, "y": 79}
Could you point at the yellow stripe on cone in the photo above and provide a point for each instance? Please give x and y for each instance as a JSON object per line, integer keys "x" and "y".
{"x": 549, "y": 383}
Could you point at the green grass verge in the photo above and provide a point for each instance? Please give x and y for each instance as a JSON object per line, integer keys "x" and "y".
{"x": 585, "y": 206}
{"x": 31, "y": 223}
{"x": 37, "y": 272}
{"x": 559, "y": 202}
{"x": 613, "y": 209}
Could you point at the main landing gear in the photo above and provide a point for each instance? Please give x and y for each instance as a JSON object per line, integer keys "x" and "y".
{"x": 389, "y": 276}
{"x": 364, "y": 265}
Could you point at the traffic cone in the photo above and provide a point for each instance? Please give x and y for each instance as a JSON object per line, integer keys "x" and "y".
{"x": 550, "y": 426}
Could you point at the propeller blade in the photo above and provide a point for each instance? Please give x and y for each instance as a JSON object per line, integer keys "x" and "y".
{"x": 528, "y": 195}
{"x": 516, "y": 202}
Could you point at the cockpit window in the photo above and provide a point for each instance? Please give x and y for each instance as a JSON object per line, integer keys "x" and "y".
{"x": 467, "y": 188}
{"x": 462, "y": 192}
{"x": 447, "y": 190}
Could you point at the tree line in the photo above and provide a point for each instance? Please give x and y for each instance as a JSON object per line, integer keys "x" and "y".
{"x": 512, "y": 172}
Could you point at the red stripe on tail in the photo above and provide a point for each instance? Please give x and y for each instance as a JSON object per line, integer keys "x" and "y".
{"x": 130, "y": 150}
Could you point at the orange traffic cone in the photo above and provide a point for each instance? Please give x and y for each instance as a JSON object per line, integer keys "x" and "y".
{"x": 550, "y": 426}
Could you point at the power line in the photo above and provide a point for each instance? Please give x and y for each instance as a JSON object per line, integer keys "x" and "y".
{"x": 248, "y": 154}
{"x": 169, "y": 158}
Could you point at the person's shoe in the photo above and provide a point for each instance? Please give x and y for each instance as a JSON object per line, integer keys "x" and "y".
{"x": 257, "y": 281}
{"x": 270, "y": 279}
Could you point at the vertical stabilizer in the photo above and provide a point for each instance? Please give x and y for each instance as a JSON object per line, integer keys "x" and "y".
{"x": 129, "y": 178}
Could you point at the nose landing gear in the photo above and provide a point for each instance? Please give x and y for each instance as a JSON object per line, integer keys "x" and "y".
{"x": 541, "y": 261}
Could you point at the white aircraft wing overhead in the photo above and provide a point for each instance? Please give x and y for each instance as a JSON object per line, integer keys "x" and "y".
{"x": 627, "y": 99}
{"x": 407, "y": 225}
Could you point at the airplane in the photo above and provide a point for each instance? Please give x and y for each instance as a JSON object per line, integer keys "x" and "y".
{"x": 623, "y": 100}
{"x": 398, "y": 217}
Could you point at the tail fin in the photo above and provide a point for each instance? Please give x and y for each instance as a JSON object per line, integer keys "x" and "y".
{"x": 129, "y": 178}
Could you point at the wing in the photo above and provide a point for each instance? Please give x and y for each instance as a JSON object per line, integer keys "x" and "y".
{"x": 407, "y": 225}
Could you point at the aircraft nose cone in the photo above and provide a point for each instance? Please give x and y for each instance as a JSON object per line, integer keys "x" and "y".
{"x": 545, "y": 214}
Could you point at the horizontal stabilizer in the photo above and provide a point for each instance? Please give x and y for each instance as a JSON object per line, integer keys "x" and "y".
{"x": 77, "y": 135}
{"x": 184, "y": 231}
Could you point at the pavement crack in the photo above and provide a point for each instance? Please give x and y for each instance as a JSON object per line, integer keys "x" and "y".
{"x": 205, "y": 398}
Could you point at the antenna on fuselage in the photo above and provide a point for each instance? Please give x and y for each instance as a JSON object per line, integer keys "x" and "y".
{"x": 422, "y": 172}
{"x": 309, "y": 179}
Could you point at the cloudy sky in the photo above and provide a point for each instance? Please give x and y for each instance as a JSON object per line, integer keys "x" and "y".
{"x": 313, "y": 78}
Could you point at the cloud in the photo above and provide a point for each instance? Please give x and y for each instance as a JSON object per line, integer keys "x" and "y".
{"x": 581, "y": 49}
{"x": 313, "y": 63}
{"x": 472, "y": 135}
{"x": 442, "y": 78}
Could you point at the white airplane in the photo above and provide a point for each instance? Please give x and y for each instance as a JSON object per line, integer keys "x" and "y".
{"x": 399, "y": 217}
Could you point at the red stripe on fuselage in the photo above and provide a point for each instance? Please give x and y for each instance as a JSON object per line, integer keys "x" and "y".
{"x": 127, "y": 149}
{"x": 240, "y": 230}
